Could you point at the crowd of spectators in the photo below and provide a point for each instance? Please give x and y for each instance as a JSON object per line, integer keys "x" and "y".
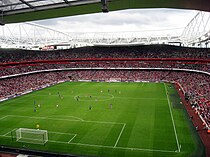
{"x": 194, "y": 84}
{"x": 10, "y": 70}
{"x": 144, "y": 51}
{"x": 23, "y": 83}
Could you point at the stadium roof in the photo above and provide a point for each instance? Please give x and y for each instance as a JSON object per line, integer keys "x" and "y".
{"x": 12, "y": 11}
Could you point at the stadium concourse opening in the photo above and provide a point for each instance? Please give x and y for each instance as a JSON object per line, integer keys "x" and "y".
{"x": 151, "y": 102}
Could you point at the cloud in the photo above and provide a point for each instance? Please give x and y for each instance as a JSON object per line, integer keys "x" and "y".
{"x": 125, "y": 20}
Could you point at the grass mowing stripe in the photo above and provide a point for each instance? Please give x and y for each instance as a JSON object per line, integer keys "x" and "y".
{"x": 169, "y": 105}
{"x": 120, "y": 134}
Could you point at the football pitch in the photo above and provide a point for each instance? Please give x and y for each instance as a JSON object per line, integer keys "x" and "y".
{"x": 101, "y": 119}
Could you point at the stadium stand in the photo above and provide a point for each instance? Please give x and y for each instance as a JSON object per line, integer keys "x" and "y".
{"x": 155, "y": 56}
{"x": 188, "y": 67}
{"x": 8, "y": 155}
{"x": 16, "y": 69}
{"x": 195, "y": 85}
{"x": 153, "y": 51}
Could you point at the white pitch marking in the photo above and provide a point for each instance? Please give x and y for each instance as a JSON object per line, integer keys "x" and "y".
{"x": 150, "y": 150}
{"x": 120, "y": 134}
{"x": 58, "y": 142}
{"x": 61, "y": 133}
{"x": 139, "y": 98}
{"x": 99, "y": 122}
{"x": 105, "y": 98}
{"x": 5, "y": 136}
{"x": 72, "y": 138}
{"x": 10, "y": 131}
{"x": 91, "y": 145}
{"x": 3, "y": 117}
{"x": 67, "y": 117}
{"x": 125, "y": 148}
{"x": 172, "y": 119}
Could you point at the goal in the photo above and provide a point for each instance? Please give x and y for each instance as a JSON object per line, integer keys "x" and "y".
{"x": 31, "y": 136}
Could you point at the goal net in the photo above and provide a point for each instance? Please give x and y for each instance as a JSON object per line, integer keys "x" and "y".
{"x": 31, "y": 136}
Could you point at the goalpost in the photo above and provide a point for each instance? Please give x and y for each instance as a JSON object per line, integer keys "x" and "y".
{"x": 31, "y": 136}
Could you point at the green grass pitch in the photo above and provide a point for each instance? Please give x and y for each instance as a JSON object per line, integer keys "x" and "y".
{"x": 145, "y": 119}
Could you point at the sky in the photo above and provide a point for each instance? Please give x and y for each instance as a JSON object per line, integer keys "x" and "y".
{"x": 129, "y": 23}
{"x": 123, "y": 21}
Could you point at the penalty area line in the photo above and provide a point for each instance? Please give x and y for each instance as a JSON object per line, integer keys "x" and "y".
{"x": 120, "y": 135}
{"x": 60, "y": 116}
{"x": 10, "y": 131}
{"x": 3, "y": 117}
{"x": 72, "y": 138}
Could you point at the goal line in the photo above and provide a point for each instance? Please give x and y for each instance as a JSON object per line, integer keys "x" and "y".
{"x": 74, "y": 136}
{"x": 92, "y": 145}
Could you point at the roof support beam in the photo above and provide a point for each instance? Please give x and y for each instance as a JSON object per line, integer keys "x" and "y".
{"x": 2, "y": 18}
{"x": 53, "y": 6}
{"x": 30, "y": 6}
{"x": 66, "y": 1}
{"x": 14, "y": 4}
